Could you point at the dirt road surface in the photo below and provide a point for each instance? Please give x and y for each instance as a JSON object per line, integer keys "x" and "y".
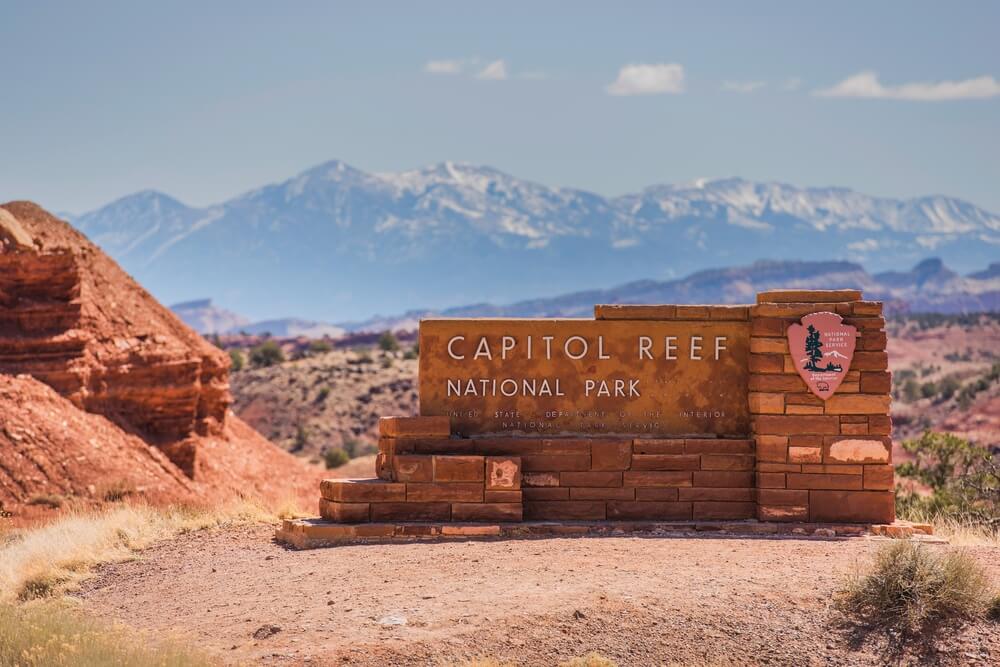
{"x": 638, "y": 600}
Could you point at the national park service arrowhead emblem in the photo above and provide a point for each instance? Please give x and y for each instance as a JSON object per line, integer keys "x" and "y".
{"x": 822, "y": 348}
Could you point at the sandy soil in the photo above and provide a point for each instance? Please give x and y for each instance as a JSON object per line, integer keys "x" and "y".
{"x": 640, "y": 601}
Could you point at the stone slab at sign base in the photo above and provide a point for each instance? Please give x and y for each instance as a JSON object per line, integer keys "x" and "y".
{"x": 642, "y": 418}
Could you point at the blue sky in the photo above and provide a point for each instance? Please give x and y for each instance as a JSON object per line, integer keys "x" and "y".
{"x": 207, "y": 100}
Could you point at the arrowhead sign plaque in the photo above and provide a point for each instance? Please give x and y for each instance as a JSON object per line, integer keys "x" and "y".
{"x": 822, "y": 348}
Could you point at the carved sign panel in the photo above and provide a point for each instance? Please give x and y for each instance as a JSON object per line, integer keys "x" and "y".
{"x": 585, "y": 377}
{"x": 822, "y": 348}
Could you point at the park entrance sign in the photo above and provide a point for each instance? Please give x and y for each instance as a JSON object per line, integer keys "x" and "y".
{"x": 558, "y": 377}
{"x": 775, "y": 412}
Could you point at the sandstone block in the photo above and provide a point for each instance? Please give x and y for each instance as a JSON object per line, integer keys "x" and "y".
{"x": 819, "y": 481}
{"x": 657, "y": 446}
{"x": 406, "y": 427}
{"x": 565, "y": 446}
{"x": 486, "y": 512}
{"x": 343, "y": 512}
{"x": 730, "y": 495}
{"x": 854, "y": 429}
{"x": 765, "y": 326}
{"x": 858, "y": 404}
{"x": 740, "y": 313}
{"x": 782, "y": 512}
{"x": 459, "y": 468}
{"x": 411, "y": 511}
{"x": 545, "y": 493}
{"x": 797, "y": 424}
{"x": 502, "y": 496}
{"x": 766, "y": 403}
{"x": 804, "y": 410}
{"x": 723, "y": 478}
{"x": 833, "y": 469}
{"x": 879, "y": 425}
{"x": 621, "y": 311}
{"x": 503, "y": 473}
{"x": 413, "y": 468}
{"x": 772, "y": 449}
{"x": 803, "y": 399}
{"x": 727, "y": 462}
{"x": 811, "y": 297}
{"x": 783, "y": 497}
{"x": 771, "y": 480}
{"x": 455, "y": 492}
{"x": 718, "y": 446}
{"x": 857, "y": 451}
{"x": 852, "y": 506}
{"x": 870, "y": 361}
{"x": 867, "y": 308}
{"x": 776, "y": 383}
{"x": 876, "y": 382}
{"x": 805, "y": 454}
{"x": 723, "y": 511}
{"x": 872, "y": 340}
{"x": 362, "y": 490}
{"x": 865, "y": 323}
{"x": 656, "y": 493}
{"x": 767, "y": 363}
{"x": 555, "y": 462}
{"x": 686, "y": 312}
{"x": 878, "y": 477}
{"x": 471, "y": 531}
{"x": 383, "y": 467}
{"x": 532, "y": 479}
{"x": 506, "y": 446}
{"x": 596, "y": 493}
{"x": 656, "y": 478}
{"x": 778, "y": 467}
{"x": 591, "y": 478}
{"x": 565, "y": 510}
{"x": 666, "y": 462}
{"x": 610, "y": 454}
{"x": 651, "y": 510}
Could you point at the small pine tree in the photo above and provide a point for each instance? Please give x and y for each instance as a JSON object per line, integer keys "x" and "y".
{"x": 813, "y": 349}
{"x": 236, "y": 360}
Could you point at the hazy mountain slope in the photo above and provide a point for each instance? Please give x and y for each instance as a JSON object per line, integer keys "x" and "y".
{"x": 335, "y": 242}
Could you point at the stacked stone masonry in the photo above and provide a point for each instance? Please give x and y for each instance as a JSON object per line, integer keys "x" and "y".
{"x": 803, "y": 460}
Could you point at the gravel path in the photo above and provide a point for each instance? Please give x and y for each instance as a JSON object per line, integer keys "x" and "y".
{"x": 639, "y": 601}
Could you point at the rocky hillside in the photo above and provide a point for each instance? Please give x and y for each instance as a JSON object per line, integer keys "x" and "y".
{"x": 455, "y": 233}
{"x": 71, "y": 319}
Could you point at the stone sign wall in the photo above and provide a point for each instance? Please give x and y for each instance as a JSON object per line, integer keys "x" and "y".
{"x": 645, "y": 413}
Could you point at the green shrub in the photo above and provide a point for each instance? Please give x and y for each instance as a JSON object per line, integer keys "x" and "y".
{"x": 387, "y": 362}
{"x": 911, "y": 589}
{"x": 388, "y": 342}
{"x": 267, "y": 353}
{"x": 236, "y": 360}
{"x": 963, "y": 478}
{"x": 335, "y": 457}
{"x": 411, "y": 353}
{"x": 320, "y": 346}
{"x": 323, "y": 394}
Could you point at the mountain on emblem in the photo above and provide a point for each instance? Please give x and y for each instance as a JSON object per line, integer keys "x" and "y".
{"x": 824, "y": 348}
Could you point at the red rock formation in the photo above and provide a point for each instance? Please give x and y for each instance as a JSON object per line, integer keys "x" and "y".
{"x": 71, "y": 318}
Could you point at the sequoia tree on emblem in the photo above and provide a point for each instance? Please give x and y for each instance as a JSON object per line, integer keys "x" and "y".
{"x": 822, "y": 348}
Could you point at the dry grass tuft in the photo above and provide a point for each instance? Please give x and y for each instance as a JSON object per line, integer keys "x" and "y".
{"x": 911, "y": 589}
{"x": 590, "y": 660}
{"x": 993, "y": 609}
{"x": 40, "y": 562}
{"x": 53, "y": 634}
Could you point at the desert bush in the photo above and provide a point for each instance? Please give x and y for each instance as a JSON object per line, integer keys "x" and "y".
{"x": 117, "y": 491}
{"x": 388, "y": 342}
{"x": 590, "y": 660}
{"x": 387, "y": 362}
{"x": 301, "y": 439}
{"x": 411, "y": 353}
{"x": 911, "y": 589}
{"x": 267, "y": 353}
{"x": 320, "y": 346}
{"x": 322, "y": 394}
{"x": 963, "y": 479}
{"x": 335, "y": 457}
{"x": 41, "y": 635}
{"x": 993, "y": 609}
{"x": 236, "y": 360}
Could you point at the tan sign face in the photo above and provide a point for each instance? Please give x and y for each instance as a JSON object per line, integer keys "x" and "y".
{"x": 585, "y": 377}
{"x": 822, "y": 347}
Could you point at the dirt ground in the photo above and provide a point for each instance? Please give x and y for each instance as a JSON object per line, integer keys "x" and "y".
{"x": 639, "y": 601}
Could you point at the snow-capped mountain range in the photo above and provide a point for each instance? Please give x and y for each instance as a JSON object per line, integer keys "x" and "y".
{"x": 337, "y": 243}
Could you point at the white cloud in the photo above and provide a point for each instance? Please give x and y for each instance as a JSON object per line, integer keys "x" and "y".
{"x": 495, "y": 71}
{"x": 742, "y": 86}
{"x": 792, "y": 83}
{"x": 645, "y": 79}
{"x": 868, "y": 245}
{"x": 866, "y": 84}
{"x": 443, "y": 67}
